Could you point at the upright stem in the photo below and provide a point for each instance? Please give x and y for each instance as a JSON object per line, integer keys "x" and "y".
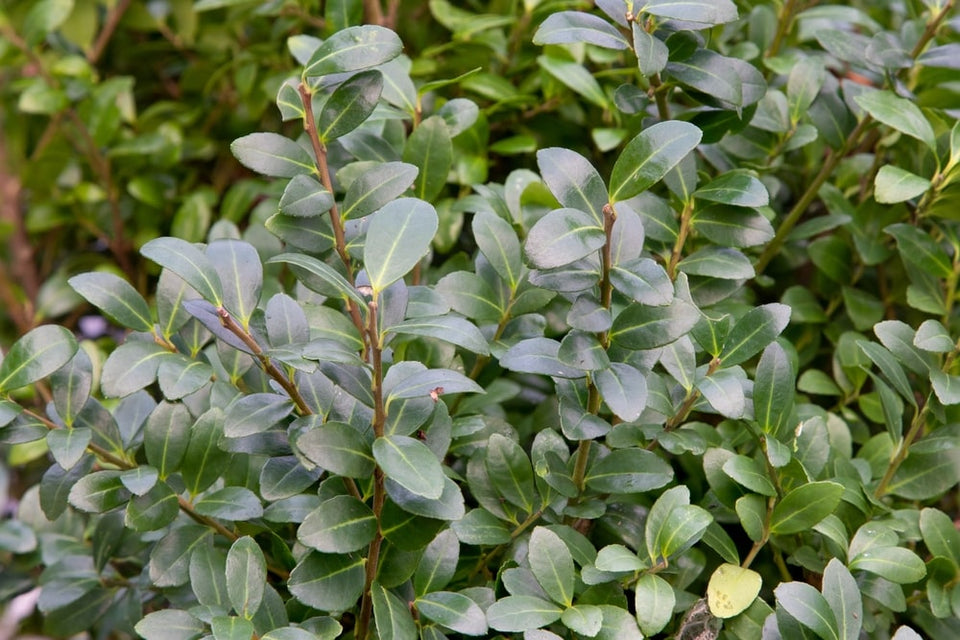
{"x": 606, "y": 297}
{"x": 660, "y": 96}
{"x": 379, "y": 492}
{"x": 902, "y": 450}
{"x": 675, "y": 255}
{"x": 320, "y": 151}
{"x": 784, "y": 21}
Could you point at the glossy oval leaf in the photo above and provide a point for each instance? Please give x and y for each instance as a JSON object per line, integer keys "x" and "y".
{"x": 272, "y": 155}
{"x": 454, "y": 611}
{"x": 628, "y": 471}
{"x": 352, "y": 49}
{"x": 188, "y": 262}
{"x": 803, "y": 507}
{"x": 115, "y": 297}
{"x": 411, "y": 464}
{"x": 349, "y": 105}
{"x": 640, "y": 326}
{"x": 398, "y": 236}
{"x": 35, "y": 356}
{"x": 305, "y": 197}
{"x": 570, "y": 27}
{"x": 650, "y": 155}
{"x": 573, "y": 181}
{"x": 339, "y": 525}
{"x": 376, "y": 187}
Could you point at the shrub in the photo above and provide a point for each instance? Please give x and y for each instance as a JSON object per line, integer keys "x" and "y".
{"x": 694, "y": 377}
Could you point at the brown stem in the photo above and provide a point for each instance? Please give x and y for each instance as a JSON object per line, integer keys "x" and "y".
{"x": 320, "y": 151}
{"x": 931, "y": 29}
{"x": 265, "y": 363}
{"x": 109, "y": 26}
{"x": 379, "y": 493}
{"x": 373, "y": 14}
{"x": 759, "y": 544}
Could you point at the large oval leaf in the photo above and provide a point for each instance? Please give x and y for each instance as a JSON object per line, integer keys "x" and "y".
{"x": 35, "y": 356}
{"x": 398, "y": 235}
{"x": 650, "y": 155}
{"x": 561, "y": 237}
{"x": 352, "y": 49}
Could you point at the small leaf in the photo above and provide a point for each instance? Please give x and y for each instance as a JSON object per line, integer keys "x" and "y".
{"x": 538, "y": 355}
{"x": 735, "y": 188}
{"x": 392, "y": 616}
{"x": 584, "y": 619}
{"x": 511, "y": 473}
{"x": 448, "y": 328}
{"x": 893, "y": 185}
{"x": 710, "y": 12}
{"x": 628, "y": 471}
{"x": 430, "y": 148}
{"x": 411, "y": 464}
{"x": 624, "y": 389}
{"x": 327, "y": 274}
{"x": 717, "y": 262}
{"x": 568, "y": 27}
{"x": 919, "y": 249}
{"x": 454, "y": 611}
{"x": 521, "y": 613}
{"x": 652, "y": 53}
{"x": 774, "y": 390}
{"x": 896, "y": 564}
{"x": 899, "y": 113}
{"x": 272, "y": 155}
{"x": 398, "y": 236}
{"x": 349, "y": 105}
{"x": 650, "y": 155}
{"x": 230, "y": 503}
{"x": 654, "y": 601}
{"x": 169, "y": 624}
{"x": 805, "y": 506}
{"x": 304, "y": 197}
{"x": 749, "y": 473}
{"x": 35, "y": 356}
{"x": 339, "y": 525}
{"x": 552, "y": 564}
{"x": 731, "y": 590}
{"x": 115, "y": 297}
{"x": 753, "y": 332}
{"x": 352, "y": 49}
{"x": 842, "y": 593}
{"x": 185, "y": 260}
{"x": 254, "y": 413}
{"x": 808, "y": 607}
{"x": 640, "y": 326}
{"x": 573, "y": 181}
{"x": 439, "y": 562}
{"x": 376, "y": 187}
{"x": 498, "y": 242}
{"x": 329, "y": 582}
{"x": 338, "y": 447}
{"x": 561, "y": 237}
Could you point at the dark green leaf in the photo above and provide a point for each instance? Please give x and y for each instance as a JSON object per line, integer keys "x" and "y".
{"x": 376, "y": 187}
{"x": 204, "y": 460}
{"x": 67, "y": 446}
{"x": 398, "y": 236}
{"x": 185, "y": 260}
{"x": 890, "y": 368}
{"x": 568, "y": 27}
{"x": 521, "y": 613}
{"x": 353, "y": 49}
{"x": 115, "y": 297}
{"x": 717, "y": 262}
{"x": 561, "y": 237}
{"x": 339, "y": 525}
{"x": 808, "y": 607}
{"x": 805, "y": 506}
{"x": 447, "y": 328}
{"x": 842, "y": 593}
{"x": 454, "y": 611}
{"x": 338, "y": 447}
{"x": 170, "y": 557}
{"x": 640, "y": 326}
{"x": 304, "y": 197}
{"x": 710, "y": 73}
{"x": 153, "y": 510}
{"x": 896, "y": 564}
{"x": 430, "y": 149}
{"x": 573, "y": 181}
{"x": 480, "y": 527}
{"x": 732, "y": 227}
{"x": 893, "y": 185}
{"x": 35, "y": 356}
{"x": 246, "y": 572}
{"x": 899, "y": 113}
{"x": 350, "y": 104}
{"x": 652, "y": 54}
{"x": 642, "y": 280}
{"x": 575, "y": 76}
{"x": 254, "y": 413}
{"x": 552, "y": 564}
{"x": 654, "y": 601}
{"x": 511, "y": 473}
{"x": 272, "y": 155}
{"x": 98, "y": 492}
{"x": 230, "y": 503}
{"x": 438, "y": 563}
{"x": 498, "y": 242}
{"x": 208, "y": 576}
{"x": 411, "y": 464}
{"x": 708, "y": 12}
{"x": 628, "y": 471}
{"x": 328, "y": 582}
{"x": 624, "y": 389}
{"x": 327, "y": 274}
{"x": 392, "y": 616}
{"x": 753, "y": 332}
{"x": 917, "y": 248}
{"x": 538, "y": 355}
{"x": 650, "y": 155}
{"x": 735, "y": 188}
{"x": 774, "y": 390}
{"x": 166, "y": 435}
{"x": 169, "y": 624}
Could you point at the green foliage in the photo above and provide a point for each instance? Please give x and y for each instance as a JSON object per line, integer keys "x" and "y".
{"x": 540, "y": 320}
